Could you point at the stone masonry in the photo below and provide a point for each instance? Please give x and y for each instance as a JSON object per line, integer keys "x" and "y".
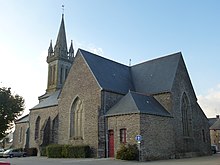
{"x": 80, "y": 83}
{"x": 45, "y": 114}
{"x": 89, "y": 96}
{"x": 20, "y": 138}
{"x": 198, "y": 120}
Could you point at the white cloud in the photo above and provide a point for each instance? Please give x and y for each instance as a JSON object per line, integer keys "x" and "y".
{"x": 210, "y": 102}
{"x": 95, "y": 49}
{"x": 89, "y": 47}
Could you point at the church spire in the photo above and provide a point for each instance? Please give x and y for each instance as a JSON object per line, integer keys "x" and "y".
{"x": 60, "y": 48}
{"x": 59, "y": 60}
{"x": 71, "y": 50}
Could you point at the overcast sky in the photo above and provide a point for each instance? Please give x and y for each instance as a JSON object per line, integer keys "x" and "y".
{"x": 120, "y": 30}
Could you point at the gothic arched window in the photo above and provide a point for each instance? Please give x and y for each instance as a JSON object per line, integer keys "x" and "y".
{"x": 37, "y": 128}
{"x": 77, "y": 119}
{"x": 55, "y": 129}
{"x": 20, "y": 134}
{"x": 66, "y": 72}
{"x": 185, "y": 115}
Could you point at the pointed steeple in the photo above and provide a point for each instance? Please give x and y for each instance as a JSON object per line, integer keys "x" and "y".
{"x": 50, "y": 49}
{"x": 71, "y": 50}
{"x": 60, "y": 48}
{"x": 59, "y": 60}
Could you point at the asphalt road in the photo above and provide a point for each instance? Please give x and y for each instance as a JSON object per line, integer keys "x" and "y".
{"x": 207, "y": 160}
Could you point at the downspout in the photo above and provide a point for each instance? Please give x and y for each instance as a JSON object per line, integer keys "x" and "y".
{"x": 106, "y": 124}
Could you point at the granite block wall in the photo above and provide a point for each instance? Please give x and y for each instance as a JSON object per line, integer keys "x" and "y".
{"x": 81, "y": 84}
{"x": 19, "y": 135}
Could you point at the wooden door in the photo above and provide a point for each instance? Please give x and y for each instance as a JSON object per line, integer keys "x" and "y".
{"x": 110, "y": 143}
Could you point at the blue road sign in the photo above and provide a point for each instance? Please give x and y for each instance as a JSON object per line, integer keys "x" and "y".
{"x": 138, "y": 138}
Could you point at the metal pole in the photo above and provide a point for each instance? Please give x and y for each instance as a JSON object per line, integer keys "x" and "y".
{"x": 139, "y": 146}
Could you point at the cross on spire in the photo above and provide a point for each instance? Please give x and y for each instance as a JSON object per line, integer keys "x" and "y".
{"x": 62, "y": 9}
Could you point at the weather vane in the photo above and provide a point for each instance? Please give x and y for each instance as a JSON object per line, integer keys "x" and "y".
{"x": 63, "y": 9}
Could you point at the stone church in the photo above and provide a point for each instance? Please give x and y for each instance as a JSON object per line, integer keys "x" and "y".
{"x": 101, "y": 103}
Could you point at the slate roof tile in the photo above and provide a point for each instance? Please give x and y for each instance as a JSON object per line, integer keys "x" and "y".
{"x": 138, "y": 103}
{"x": 150, "y": 77}
{"x": 23, "y": 119}
{"x": 110, "y": 75}
{"x": 155, "y": 76}
{"x": 216, "y": 125}
{"x": 52, "y": 100}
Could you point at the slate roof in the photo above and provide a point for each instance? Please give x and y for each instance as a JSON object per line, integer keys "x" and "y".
{"x": 23, "y": 119}
{"x": 110, "y": 75}
{"x": 155, "y": 76}
{"x": 216, "y": 125}
{"x": 61, "y": 38}
{"x": 52, "y": 100}
{"x": 212, "y": 121}
{"x": 44, "y": 96}
{"x": 138, "y": 103}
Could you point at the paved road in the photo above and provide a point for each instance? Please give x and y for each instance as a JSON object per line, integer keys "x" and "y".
{"x": 207, "y": 160}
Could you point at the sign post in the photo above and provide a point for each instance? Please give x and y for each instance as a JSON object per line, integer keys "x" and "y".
{"x": 138, "y": 138}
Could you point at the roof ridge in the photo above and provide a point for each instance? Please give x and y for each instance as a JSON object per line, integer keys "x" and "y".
{"x": 138, "y": 103}
{"x": 103, "y": 57}
{"x": 133, "y": 100}
{"x": 159, "y": 58}
{"x": 140, "y": 93}
{"x": 22, "y": 117}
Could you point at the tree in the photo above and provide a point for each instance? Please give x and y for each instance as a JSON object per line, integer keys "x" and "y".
{"x": 11, "y": 107}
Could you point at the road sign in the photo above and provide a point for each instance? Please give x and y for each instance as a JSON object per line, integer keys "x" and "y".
{"x": 138, "y": 138}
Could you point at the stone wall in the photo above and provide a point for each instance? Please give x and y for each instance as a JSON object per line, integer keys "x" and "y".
{"x": 201, "y": 132}
{"x": 19, "y": 135}
{"x": 132, "y": 124}
{"x": 156, "y": 131}
{"x": 197, "y": 119}
{"x": 158, "y": 137}
{"x": 81, "y": 84}
{"x": 44, "y": 114}
{"x": 108, "y": 100}
{"x": 215, "y": 138}
{"x": 165, "y": 99}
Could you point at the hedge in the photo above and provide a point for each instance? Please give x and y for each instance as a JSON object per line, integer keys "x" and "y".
{"x": 54, "y": 151}
{"x": 68, "y": 151}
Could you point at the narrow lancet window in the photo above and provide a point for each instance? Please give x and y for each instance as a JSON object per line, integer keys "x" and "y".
{"x": 77, "y": 120}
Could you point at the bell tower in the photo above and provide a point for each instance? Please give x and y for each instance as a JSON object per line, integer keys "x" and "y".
{"x": 59, "y": 60}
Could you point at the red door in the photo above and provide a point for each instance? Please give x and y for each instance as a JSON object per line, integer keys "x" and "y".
{"x": 110, "y": 143}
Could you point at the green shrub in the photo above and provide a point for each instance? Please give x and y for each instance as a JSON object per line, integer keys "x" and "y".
{"x": 43, "y": 151}
{"x": 127, "y": 152}
{"x": 54, "y": 151}
{"x": 65, "y": 151}
{"x": 68, "y": 151}
{"x": 121, "y": 151}
{"x": 83, "y": 151}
